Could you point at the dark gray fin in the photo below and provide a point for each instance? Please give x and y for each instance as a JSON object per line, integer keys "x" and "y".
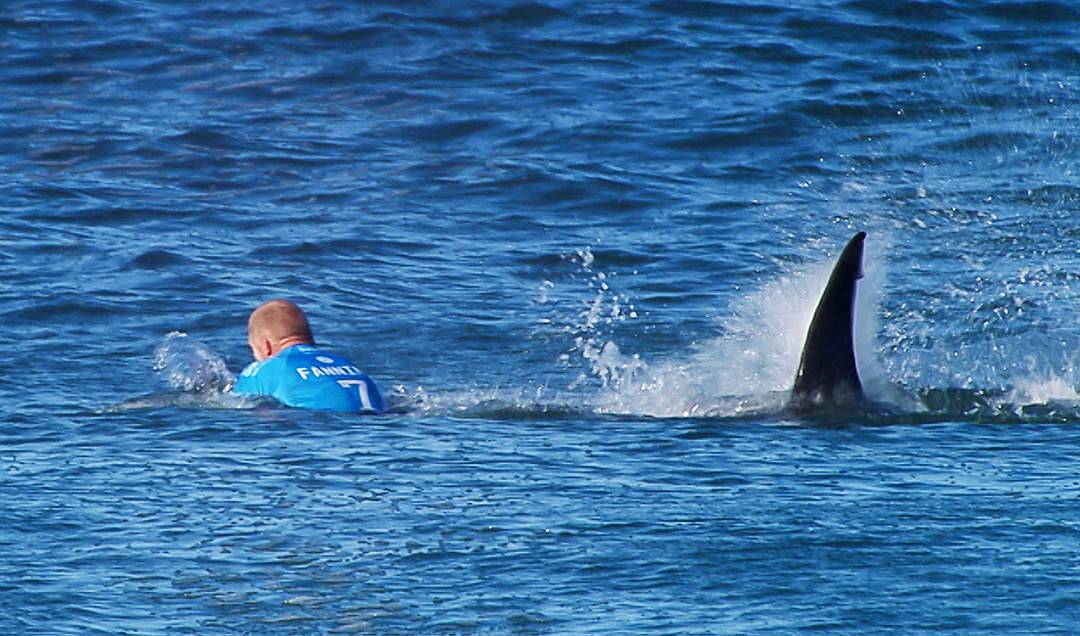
{"x": 827, "y": 373}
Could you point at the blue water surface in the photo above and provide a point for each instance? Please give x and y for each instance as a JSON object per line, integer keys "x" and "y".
{"x": 577, "y": 245}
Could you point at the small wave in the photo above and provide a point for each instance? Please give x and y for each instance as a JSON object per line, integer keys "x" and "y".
{"x": 698, "y": 9}
{"x": 1033, "y": 12}
{"x": 67, "y": 309}
{"x": 71, "y": 153}
{"x": 155, "y": 259}
{"x": 353, "y": 35}
{"x": 205, "y": 138}
{"x": 105, "y": 215}
{"x": 452, "y": 130}
{"x": 740, "y": 136}
{"x": 924, "y": 11}
{"x": 771, "y": 52}
{"x": 987, "y": 141}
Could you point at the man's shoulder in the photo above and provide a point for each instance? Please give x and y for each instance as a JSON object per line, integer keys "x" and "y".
{"x": 311, "y": 354}
{"x": 252, "y": 380}
{"x": 251, "y": 369}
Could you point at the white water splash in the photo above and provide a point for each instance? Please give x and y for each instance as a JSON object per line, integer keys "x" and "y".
{"x": 189, "y": 365}
{"x": 593, "y": 319}
{"x": 198, "y": 378}
{"x": 1042, "y": 387}
{"x": 751, "y": 366}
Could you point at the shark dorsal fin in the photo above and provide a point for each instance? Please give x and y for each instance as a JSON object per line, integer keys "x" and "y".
{"x": 827, "y": 373}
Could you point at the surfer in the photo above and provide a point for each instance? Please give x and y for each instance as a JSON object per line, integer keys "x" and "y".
{"x": 291, "y": 369}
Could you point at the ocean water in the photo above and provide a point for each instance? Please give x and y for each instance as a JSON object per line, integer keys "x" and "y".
{"x": 577, "y": 244}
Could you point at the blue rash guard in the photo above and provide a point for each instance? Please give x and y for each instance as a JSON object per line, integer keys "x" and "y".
{"x": 306, "y": 377}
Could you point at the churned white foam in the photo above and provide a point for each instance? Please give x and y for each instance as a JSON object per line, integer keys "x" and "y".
{"x": 189, "y": 365}
{"x": 1042, "y": 387}
{"x": 751, "y": 366}
{"x": 1043, "y": 390}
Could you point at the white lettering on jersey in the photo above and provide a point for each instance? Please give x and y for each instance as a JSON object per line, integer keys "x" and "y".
{"x": 318, "y": 372}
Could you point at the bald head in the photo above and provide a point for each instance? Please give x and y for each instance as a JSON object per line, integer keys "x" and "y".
{"x": 276, "y": 325}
